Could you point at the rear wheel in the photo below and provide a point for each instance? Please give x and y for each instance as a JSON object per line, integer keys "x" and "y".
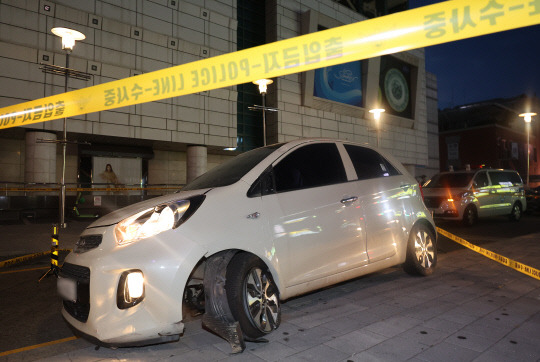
{"x": 516, "y": 213}
{"x": 253, "y": 296}
{"x": 470, "y": 216}
{"x": 421, "y": 251}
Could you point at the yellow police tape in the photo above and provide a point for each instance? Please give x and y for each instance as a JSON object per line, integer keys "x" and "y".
{"x": 429, "y": 25}
{"x": 24, "y": 258}
{"x": 69, "y": 189}
{"x": 522, "y": 268}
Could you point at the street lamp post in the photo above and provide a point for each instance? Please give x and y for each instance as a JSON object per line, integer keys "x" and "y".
{"x": 69, "y": 37}
{"x": 527, "y": 117}
{"x": 377, "y": 115}
{"x": 263, "y": 85}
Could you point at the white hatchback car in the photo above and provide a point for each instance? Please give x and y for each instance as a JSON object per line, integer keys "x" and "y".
{"x": 267, "y": 225}
{"x": 467, "y": 195}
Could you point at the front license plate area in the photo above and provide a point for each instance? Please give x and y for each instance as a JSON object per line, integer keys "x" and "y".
{"x": 67, "y": 289}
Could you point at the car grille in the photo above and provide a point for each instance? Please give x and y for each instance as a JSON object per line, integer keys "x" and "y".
{"x": 433, "y": 202}
{"x": 87, "y": 242}
{"x": 79, "y": 309}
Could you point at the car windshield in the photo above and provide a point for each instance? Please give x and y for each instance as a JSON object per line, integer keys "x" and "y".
{"x": 448, "y": 180}
{"x": 232, "y": 170}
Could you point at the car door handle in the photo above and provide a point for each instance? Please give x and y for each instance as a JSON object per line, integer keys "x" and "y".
{"x": 349, "y": 200}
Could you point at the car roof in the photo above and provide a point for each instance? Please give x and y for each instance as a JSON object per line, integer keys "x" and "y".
{"x": 477, "y": 170}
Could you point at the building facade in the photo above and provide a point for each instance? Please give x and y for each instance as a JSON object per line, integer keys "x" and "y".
{"x": 432, "y": 101}
{"x": 491, "y": 134}
{"x": 171, "y": 141}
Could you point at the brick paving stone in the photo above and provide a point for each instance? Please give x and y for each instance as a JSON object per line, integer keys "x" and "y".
{"x": 447, "y": 352}
{"x": 356, "y": 341}
{"x": 393, "y": 326}
{"x": 397, "y": 349}
{"x": 471, "y": 341}
{"x": 273, "y": 351}
{"x": 321, "y": 353}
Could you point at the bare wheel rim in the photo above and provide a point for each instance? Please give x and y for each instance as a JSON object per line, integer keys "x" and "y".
{"x": 470, "y": 216}
{"x": 262, "y": 300}
{"x": 517, "y": 212}
{"x": 424, "y": 249}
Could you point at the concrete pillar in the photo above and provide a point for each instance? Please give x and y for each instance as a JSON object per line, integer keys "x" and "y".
{"x": 196, "y": 162}
{"x": 40, "y": 158}
{"x": 371, "y": 97}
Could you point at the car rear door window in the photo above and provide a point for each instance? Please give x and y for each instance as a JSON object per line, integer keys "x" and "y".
{"x": 369, "y": 163}
{"x": 481, "y": 180}
{"x": 515, "y": 178}
{"x": 310, "y": 166}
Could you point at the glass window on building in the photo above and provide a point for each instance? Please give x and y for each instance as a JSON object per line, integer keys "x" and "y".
{"x": 251, "y": 32}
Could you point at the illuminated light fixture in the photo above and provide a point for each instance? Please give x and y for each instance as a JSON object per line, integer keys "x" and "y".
{"x": 263, "y": 84}
{"x": 377, "y": 115}
{"x": 130, "y": 290}
{"x": 229, "y": 149}
{"x": 527, "y": 117}
{"x": 69, "y": 37}
{"x": 135, "y": 285}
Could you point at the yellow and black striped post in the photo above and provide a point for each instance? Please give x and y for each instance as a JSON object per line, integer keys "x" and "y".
{"x": 54, "y": 253}
{"x": 54, "y": 249}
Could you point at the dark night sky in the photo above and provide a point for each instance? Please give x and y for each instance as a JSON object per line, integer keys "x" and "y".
{"x": 499, "y": 65}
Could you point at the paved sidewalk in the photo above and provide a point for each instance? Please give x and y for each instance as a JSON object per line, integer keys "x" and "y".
{"x": 471, "y": 309}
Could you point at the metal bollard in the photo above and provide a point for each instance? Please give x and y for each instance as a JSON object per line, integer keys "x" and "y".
{"x": 54, "y": 249}
{"x": 54, "y": 254}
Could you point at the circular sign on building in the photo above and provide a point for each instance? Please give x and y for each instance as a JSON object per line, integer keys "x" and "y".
{"x": 396, "y": 90}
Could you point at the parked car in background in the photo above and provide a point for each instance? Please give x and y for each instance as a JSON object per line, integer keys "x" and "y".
{"x": 267, "y": 225}
{"x": 468, "y": 195}
{"x": 533, "y": 199}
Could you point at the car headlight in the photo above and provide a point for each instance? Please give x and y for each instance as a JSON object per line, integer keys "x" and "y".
{"x": 130, "y": 290}
{"x": 155, "y": 220}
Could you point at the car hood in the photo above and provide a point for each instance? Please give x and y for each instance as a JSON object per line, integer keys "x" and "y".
{"x": 120, "y": 214}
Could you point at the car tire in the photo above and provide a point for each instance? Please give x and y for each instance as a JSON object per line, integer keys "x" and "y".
{"x": 516, "y": 213}
{"x": 253, "y": 296}
{"x": 421, "y": 251}
{"x": 470, "y": 216}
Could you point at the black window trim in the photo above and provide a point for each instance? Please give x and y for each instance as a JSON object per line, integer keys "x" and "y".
{"x": 386, "y": 160}
{"x": 252, "y": 192}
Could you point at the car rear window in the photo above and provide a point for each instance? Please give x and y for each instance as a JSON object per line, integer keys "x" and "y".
{"x": 369, "y": 163}
{"x": 448, "y": 180}
{"x": 505, "y": 178}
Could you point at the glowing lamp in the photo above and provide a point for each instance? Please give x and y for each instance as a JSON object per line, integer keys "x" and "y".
{"x": 377, "y": 112}
{"x": 263, "y": 83}
{"x": 527, "y": 117}
{"x": 135, "y": 285}
{"x": 69, "y": 37}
